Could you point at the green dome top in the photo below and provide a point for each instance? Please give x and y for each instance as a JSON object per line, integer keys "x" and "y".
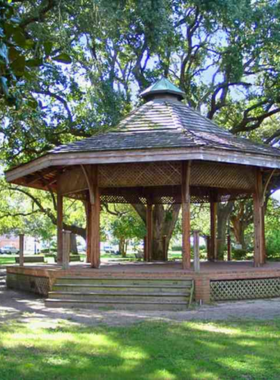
{"x": 163, "y": 86}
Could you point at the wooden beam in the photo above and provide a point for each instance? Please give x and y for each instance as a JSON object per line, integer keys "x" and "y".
{"x": 89, "y": 231}
{"x": 21, "y": 250}
{"x": 149, "y": 226}
{"x": 145, "y": 249}
{"x": 186, "y": 218}
{"x": 213, "y": 231}
{"x": 86, "y": 170}
{"x": 196, "y": 257}
{"x": 95, "y": 219}
{"x": 263, "y": 261}
{"x": 59, "y": 228}
{"x": 72, "y": 180}
{"x": 141, "y": 155}
{"x": 259, "y": 251}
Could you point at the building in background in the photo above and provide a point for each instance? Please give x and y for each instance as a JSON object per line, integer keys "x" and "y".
{"x": 31, "y": 244}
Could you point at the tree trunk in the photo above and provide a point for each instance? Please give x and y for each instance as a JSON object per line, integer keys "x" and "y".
{"x": 122, "y": 247}
{"x": 164, "y": 221}
{"x": 73, "y": 244}
{"x": 239, "y": 233}
{"x": 222, "y": 219}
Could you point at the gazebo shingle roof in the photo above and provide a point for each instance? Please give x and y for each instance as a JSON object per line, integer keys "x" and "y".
{"x": 161, "y": 130}
{"x": 166, "y": 123}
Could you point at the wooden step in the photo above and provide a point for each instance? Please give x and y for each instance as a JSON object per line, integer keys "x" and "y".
{"x": 122, "y": 281}
{"x": 116, "y": 305}
{"x": 135, "y": 289}
{"x": 123, "y": 296}
{"x": 121, "y": 293}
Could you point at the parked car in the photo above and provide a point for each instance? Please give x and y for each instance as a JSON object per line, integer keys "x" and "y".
{"x": 110, "y": 249}
{"x": 9, "y": 249}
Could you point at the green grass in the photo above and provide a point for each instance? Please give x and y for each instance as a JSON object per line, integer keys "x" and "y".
{"x": 150, "y": 351}
{"x": 7, "y": 260}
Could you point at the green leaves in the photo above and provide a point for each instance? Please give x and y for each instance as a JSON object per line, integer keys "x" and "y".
{"x": 63, "y": 58}
{"x": 4, "y": 53}
{"x": 21, "y": 54}
{"x": 4, "y": 85}
{"x": 35, "y": 62}
{"x": 18, "y": 66}
{"x": 48, "y": 45}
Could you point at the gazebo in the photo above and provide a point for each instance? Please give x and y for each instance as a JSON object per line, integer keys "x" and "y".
{"x": 162, "y": 152}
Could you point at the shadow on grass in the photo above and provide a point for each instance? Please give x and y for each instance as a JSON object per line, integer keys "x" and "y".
{"x": 147, "y": 350}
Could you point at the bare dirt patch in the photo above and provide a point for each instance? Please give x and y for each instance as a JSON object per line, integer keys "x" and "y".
{"x": 28, "y": 308}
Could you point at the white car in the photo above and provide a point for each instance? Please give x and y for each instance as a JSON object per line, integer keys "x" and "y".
{"x": 110, "y": 249}
{"x": 9, "y": 249}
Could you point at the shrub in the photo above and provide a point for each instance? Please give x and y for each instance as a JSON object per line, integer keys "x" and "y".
{"x": 177, "y": 248}
{"x": 273, "y": 244}
{"x": 45, "y": 250}
{"x": 239, "y": 254}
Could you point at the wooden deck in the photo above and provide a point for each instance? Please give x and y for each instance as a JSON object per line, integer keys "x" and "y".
{"x": 115, "y": 266}
{"x": 40, "y": 278}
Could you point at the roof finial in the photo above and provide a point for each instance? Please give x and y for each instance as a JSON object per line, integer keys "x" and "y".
{"x": 162, "y": 87}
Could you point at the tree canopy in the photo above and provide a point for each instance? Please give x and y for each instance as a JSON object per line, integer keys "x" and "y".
{"x": 70, "y": 69}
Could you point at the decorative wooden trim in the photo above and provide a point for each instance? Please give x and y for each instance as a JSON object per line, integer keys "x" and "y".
{"x": 241, "y": 289}
{"x": 86, "y": 170}
{"x": 266, "y": 185}
{"x": 71, "y": 181}
{"x": 144, "y": 155}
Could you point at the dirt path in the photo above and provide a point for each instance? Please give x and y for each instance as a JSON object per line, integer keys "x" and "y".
{"x": 27, "y": 308}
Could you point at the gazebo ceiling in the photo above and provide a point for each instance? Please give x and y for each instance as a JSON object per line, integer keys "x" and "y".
{"x": 163, "y": 130}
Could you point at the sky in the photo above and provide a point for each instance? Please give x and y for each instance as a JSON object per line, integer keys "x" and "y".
{"x": 276, "y": 195}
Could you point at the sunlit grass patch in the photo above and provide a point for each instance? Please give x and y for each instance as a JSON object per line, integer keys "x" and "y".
{"x": 152, "y": 351}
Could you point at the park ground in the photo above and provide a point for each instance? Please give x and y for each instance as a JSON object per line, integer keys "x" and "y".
{"x": 239, "y": 340}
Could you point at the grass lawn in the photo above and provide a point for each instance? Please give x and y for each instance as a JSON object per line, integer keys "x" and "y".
{"x": 189, "y": 350}
{"x": 7, "y": 260}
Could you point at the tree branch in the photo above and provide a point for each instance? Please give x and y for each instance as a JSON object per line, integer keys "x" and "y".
{"x": 41, "y": 14}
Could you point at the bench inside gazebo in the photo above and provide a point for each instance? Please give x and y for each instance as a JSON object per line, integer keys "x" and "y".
{"x": 164, "y": 152}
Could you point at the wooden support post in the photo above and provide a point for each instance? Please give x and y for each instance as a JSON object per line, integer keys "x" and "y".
{"x": 186, "y": 218}
{"x": 88, "y": 232}
{"x": 228, "y": 248}
{"x": 149, "y": 226}
{"x": 164, "y": 247}
{"x": 145, "y": 249}
{"x": 263, "y": 232}
{"x": 21, "y": 250}
{"x": 207, "y": 239}
{"x": 213, "y": 231}
{"x": 196, "y": 256}
{"x": 259, "y": 250}
{"x": 59, "y": 228}
{"x": 95, "y": 219}
{"x": 66, "y": 249}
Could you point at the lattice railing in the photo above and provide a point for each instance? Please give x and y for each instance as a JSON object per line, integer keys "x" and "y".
{"x": 223, "y": 290}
